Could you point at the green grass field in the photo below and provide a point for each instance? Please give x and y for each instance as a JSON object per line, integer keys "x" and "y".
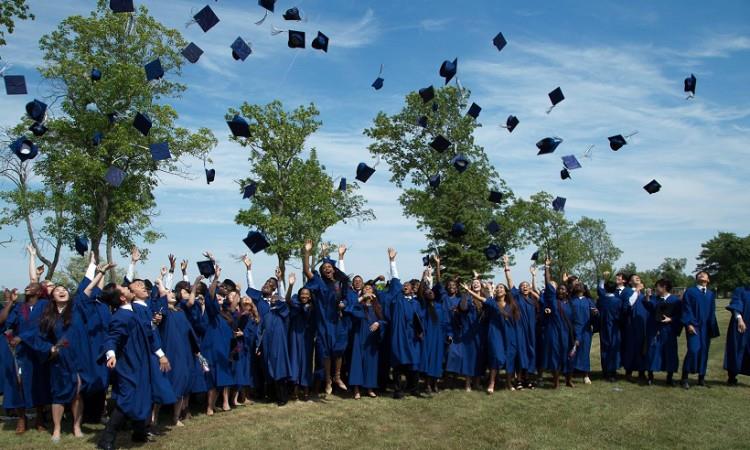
{"x": 602, "y": 415}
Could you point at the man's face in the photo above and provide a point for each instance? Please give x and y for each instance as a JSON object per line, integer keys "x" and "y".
{"x": 357, "y": 283}
{"x": 138, "y": 289}
{"x": 702, "y": 278}
{"x": 269, "y": 287}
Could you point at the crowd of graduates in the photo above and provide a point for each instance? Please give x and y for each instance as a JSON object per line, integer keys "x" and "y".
{"x": 149, "y": 344}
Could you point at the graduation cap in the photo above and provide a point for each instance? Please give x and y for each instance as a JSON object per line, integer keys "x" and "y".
{"x": 571, "y": 162}
{"x": 96, "y": 74}
{"x": 434, "y": 181}
{"x": 690, "y": 85}
{"x": 378, "y": 83}
{"x": 426, "y": 261}
{"x": 342, "y": 184}
{"x": 210, "y": 175}
{"x": 154, "y": 71}
{"x": 435, "y": 107}
{"x": 556, "y": 96}
{"x": 38, "y": 129}
{"x": 440, "y": 143}
{"x": 15, "y": 84}
{"x": 535, "y": 256}
{"x": 114, "y": 176}
{"x": 249, "y": 190}
{"x": 112, "y": 117}
{"x": 427, "y": 93}
{"x": 499, "y": 41}
{"x": 364, "y": 172}
{"x": 493, "y": 252}
{"x": 558, "y": 204}
{"x": 160, "y": 151}
{"x": 510, "y": 123}
{"x": 24, "y": 148}
{"x": 474, "y": 110}
{"x": 564, "y": 174}
{"x": 422, "y": 121}
{"x": 320, "y": 42}
{"x": 460, "y": 163}
{"x": 192, "y": 52}
{"x": 548, "y": 145}
{"x": 495, "y": 197}
{"x": 206, "y": 18}
{"x": 37, "y": 110}
{"x": 618, "y": 141}
{"x": 240, "y": 49}
{"x": 142, "y": 123}
{"x": 256, "y": 241}
{"x": 269, "y": 6}
{"x": 493, "y": 227}
{"x": 121, "y": 6}
{"x": 458, "y": 229}
{"x": 296, "y": 39}
{"x": 206, "y": 268}
{"x": 292, "y": 14}
{"x": 239, "y": 127}
{"x": 97, "y": 138}
{"x": 652, "y": 187}
{"x": 81, "y": 245}
{"x": 448, "y": 70}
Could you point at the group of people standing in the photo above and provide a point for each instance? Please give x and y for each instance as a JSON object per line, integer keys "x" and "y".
{"x": 155, "y": 343}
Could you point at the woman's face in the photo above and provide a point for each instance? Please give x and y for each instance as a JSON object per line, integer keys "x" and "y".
{"x": 476, "y": 286}
{"x": 452, "y": 288}
{"x": 368, "y": 289}
{"x": 60, "y": 295}
{"x": 33, "y": 289}
{"x": 171, "y": 298}
{"x": 429, "y": 294}
{"x": 304, "y": 296}
{"x": 184, "y": 294}
{"x": 246, "y": 304}
{"x": 327, "y": 271}
{"x": 499, "y": 291}
{"x": 525, "y": 288}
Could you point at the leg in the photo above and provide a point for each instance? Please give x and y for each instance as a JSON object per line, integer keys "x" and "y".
{"x": 225, "y": 399}
{"x": 57, "y": 413}
{"x": 211, "y": 402}
{"x": 650, "y": 378}
{"x": 327, "y": 368}
{"x": 77, "y": 407}
{"x": 356, "y": 393}
{"x": 555, "y": 379}
{"x": 339, "y": 383}
{"x": 176, "y": 413}
{"x": 39, "y": 423}
{"x": 569, "y": 380}
{"x": 116, "y": 419}
{"x": 509, "y": 381}
{"x": 586, "y": 378}
{"x": 491, "y": 384}
{"x": 21, "y": 424}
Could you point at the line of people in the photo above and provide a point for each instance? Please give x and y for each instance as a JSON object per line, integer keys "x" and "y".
{"x": 159, "y": 346}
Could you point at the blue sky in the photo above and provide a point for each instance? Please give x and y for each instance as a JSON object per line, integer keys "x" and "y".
{"x": 621, "y": 66}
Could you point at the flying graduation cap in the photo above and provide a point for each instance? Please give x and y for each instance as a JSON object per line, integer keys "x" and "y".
{"x": 81, "y": 245}
{"x": 511, "y": 123}
{"x": 458, "y": 229}
{"x": 38, "y": 129}
{"x": 460, "y": 163}
{"x": 97, "y": 138}
{"x": 493, "y": 252}
{"x": 342, "y": 184}
{"x": 36, "y": 110}
{"x": 249, "y": 190}
{"x": 426, "y": 260}
{"x": 24, "y": 148}
{"x": 364, "y": 172}
{"x": 564, "y": 174}
{"x": 160, "y": 151}
{"x": 570, "y": 162}
{"x": 618, "y": 141}
{"x": 556, "y": 96}
{"x": 427, "y": 93}
{"x": 535, "y": 256}
{"x": 690, "y": 86}
{"x": 499, "y": 41}
{"x": 256, "y": 241}
{"x": 240, "y": 49}
{"x": 154, "y": 71}
{"x": 440, "y": 143}
{"x": 495, "y": 197}
{"x": 652, "y": 187}
{"x": 493, "y": 227}
{"x": 121, "y": 6}
{"x": 96, "y": 74}
{"x": 239, "y": 127}
{"x": 296, "y": 39}
{"x": 422, "y": 121}
{"x": 206, "y": 268}
{"x": 114, "y": 176}
{"x": 205, "y": 18}
{"x": 378, "y": 83}
{"x": 558, "y": 204}
{"x": 210, "y": 175}
{"x": 14, "y": 84}
{"x": 548, "y": 145}
{"x": 192, "y": 52}
{"x": 434, "y": 181}
{"x": 320, "y": 42}
{"x": 448, "y": 70}
{"x": 269, "y": 6}
{"x": 474, "y": 110}
{"x": 292, "y": 14}
{"x": 142, "y": 123}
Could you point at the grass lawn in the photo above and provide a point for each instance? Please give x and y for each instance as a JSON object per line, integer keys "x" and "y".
{"x": 602, "y": 415}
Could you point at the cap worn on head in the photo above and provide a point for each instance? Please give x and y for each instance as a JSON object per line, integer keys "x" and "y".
{"x": 154, "y": 71}
{"x": 296, "y": 39}
{"x": 652, "y": 187}
{"x": 440, "y": 143}
{"x": 499, "y": 41}
{"x": 240, "y": 49}
{"x": 210, "y": 175}
{"x": 427, "y": 94}
{"x": 38, "y": 129}
{"x": 448, "y": 70}
{"x": 206, "y": 268}
{"x": 434, "y": 181}
{"x": 495, "y": 197}
{"x": 142, "y": 123}
{"x": 24, "y": 149}
{"x": 114, "y": 176}
{"x": 121, "y": 6}
{"x": 548, "y": 145}
{"x": 192, "y": 52}
{"x": 292, "y": 14}
{"x": 37, "y": 110}
{"x": 364, "y": 172}
{"x": 474, "y": 110}
{"x": 378, "y": 83}
{"x": 81, "y": 245}
{"x": 571, "y": 162}
{"x": 617, "y": 142}
{"x": 558, "y": 204}
{"x": 460, "y": 163}
{"x": 256, "y": 241}
{"x": 249, "y": 190}
{"x": 160, "y": 151}
{"x": 15, "y": 85}
{"x": 320, "y": 42}
{"x": 206, "y": 18}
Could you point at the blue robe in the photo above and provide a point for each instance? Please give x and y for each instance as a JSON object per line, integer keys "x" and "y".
{"x": 198, "y": 321}
{"x": 23, "y": 321}
{"x": 502, "y": 338}
{"x": 401, "y": 313}
{"x": 661, "y": 338}
{"x": 610, "y": 340}
{"x": 301, "y": 341}
{"x": 633, "y": 354}
{"x": 244, "y": 375}
{"x": 332, "y": 331}
{"x": 463, "y": 355}
{"x": 363, "y": 365}
{"x": 180, "y": 344}
{"x": 161, "y": 388}
{"x": 584, "y": 332}
{"x": 272, "y": 336}
{"x": 737, "y": 352}
{"x": 436, "y": 331}
{"x": 559, "y": 333}
{"x": 699, "y": 310}
{"x": 527, "y": 331}
{"x": 96, "y": 316}
{"x": 216, "y": 346}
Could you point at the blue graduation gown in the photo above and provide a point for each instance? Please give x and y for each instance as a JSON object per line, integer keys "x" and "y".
{"x": 502, "y": 338}
{"x": 559, "y": 333}
{"x": 272, "y": 336}
{"x": 128, "y": 337}
{"x": 737, "y": 352}
{"x": 301, "y": 340}
{"x": 216, "y": 346}
{"x": 23, "y": 321}
{"x": 198, "y": 321}
{"x": 633, "y": 354}
{"x": 244, "y": 375}
{"x": 661, "y": 338}
{"x": 161, "y": 388}
{"x": 180, "y": 344}
{"x": 610, "y": 340}
{"x": 463, "y": 356}
{"x": 527, "y": 331}
{"x": 332, "y": 332}
{"x": 584, "y": 332}
{"x": 95, "y": 316}
{"x": 401, "y": 312}
{"x": 363, "y": 364}
{"x": 699, "y": 310}
{"x": 436, "y": 331}
{"x": 453, "y": 351}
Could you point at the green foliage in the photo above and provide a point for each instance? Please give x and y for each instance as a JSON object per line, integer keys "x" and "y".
{"x": 726, "y": 258}
{"x": 461, "y": 197}
{"x": 75, "y": 269}
{"x": 599, "y": 252}
{"x": 10, "y": 10}
{"x": 296, "y": 199}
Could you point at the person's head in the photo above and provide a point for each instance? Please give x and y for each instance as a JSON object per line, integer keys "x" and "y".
{"x": 182, "y": 290}
{"x": 524, "y": 288}
{"x": 138, "y": 288}
{"x": 115, "y": 295}
{"x": 234, "y": 299}
{"x": 452, "y": 287}
{"x": 427, "y": 292}
{"x": 407, "y": 289}
{"x": 702, "y": 278}
{"x": 610, "y": 287}
{"x": 171, "y": 298}
{"x": 358, "y": 283}
{"x": 634, "y": 280}
{"x": 55, "y": 310}
{"x": 246, "y": 304}
{"x": 663, "y": 287}
{"x": 304, "y": 295}
{"x": 47, "y": 285}
{"x": 476, "y": 286}
{"x": 201, "y": 289}
{"x": 620, "y": 279}
{"x": 414, "y": 285}
{"x": 562, "y": 292}
{"x": 368, "y": 289}
{"x": 60, "y": 295}
{"x": 501, "y": 291}
{"x": 269, "y": 287}
{"x": 33, "y": 290}
{"x": 577, "y": 290}
{"x": 327, "y": 271}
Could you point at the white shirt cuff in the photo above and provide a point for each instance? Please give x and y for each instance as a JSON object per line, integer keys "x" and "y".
{"x": 394, "y": 270}
{"x": 159, "y": 353}
{"x": 110, "y": 354}
{"x": 91, "y": 271}
{"x": 341, "y": 265}
{"x": 633, "y": 298}
{"x": 250, "y": 282}
{"x": 738, "y": 316}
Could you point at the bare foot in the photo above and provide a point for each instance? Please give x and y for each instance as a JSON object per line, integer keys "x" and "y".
{"x": 209, "y": 412}
{"x": 372, "y": 393}
{"x": 179, "y": 424}
{"x": 340, "y": 384}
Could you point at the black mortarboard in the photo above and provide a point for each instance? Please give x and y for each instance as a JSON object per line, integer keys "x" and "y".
{"x": 96, "y": 74}
{"x": 448, "y": 70}
{"x": 160, "y": 151}
{"x": 564, "y": 174}
{"x": 535, "y": 256}
{"x": 37, "y": 110}
{"x": 511, "y": 123}
{"x": 474, "y": 110}
{"x": 617, "y": 142}
{"x": 548, "y": 145}
{"x": 15, "y": 85}
{"x": 267, "y": 4}
{"x": 296, "y": 39}
{"x": 458, "y": 229}
{"x": 378, "y": 83}
{"x": 192, "y": 52}
{"x": 210, "y": 175}
{"x": 422, "y": 121}
{"x": 440, "y": 143}
{"x": 460, "y": 163}
{"x": 239, "y": 127}
{"x": 154, "y": 71}
{"x": 240, "y": 49}
{"x": 249, "y": 190}
{"x": 426, "y": 261}
{"x": 97, "y": 138}
{"x": 493, "y": 252}
{"x": 571, "y": 162}
{"x": 690, "y": 85}
{"x": 435, "y": 107}
{"x": 121, "y": 6}
{"x": 81, "y": 245}
{"x": 255, "y": 241}
{"x": 558, "y": 204}
{"x": 112, "y": 117}
{"x": 206, "y": 268}
{"x": 142, "y": 123}
{"x": 364, "y": 172}
{"x": 499, "y": 41}
{"x": 556, "y": 96}
{"x": 493, "y": 227}
{"x": 434, "y": 181}
{"x": 320, "y": 42}
{"x": 342, "y": 184}
{"x": 24, "y": 148}
{"x": 114, "y": 176}
{"x": 427, "y": 93}
{"x": 652, "y": 187}
{"x": 292, "y": 14}
{"x": 38, "y": 129}
{"x": 495, "y": 197}
{"x": 206, "y": 18}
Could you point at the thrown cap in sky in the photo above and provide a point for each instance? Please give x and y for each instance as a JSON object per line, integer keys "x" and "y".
{"x": 427, "y": 93}
{"x": 240, "y": 49}
{"x": 425, "y": 261}
{"x": 460, "y": 163}
{"x": 493, "y": 252}
{"x": 474, "y": 110}
{"x": 239, "y": 126}
{"x": 114, "y": 176}
{"x": 37, "y": 110}
{"x": 206, "y": 18}
{"x": 320, "y": 42}
{"x": 81, "y": 245}
{"x": 440, "y": 143}
{"x": 434, "y": 181}
{"x": 556, "y": 96}
{"x": 15, "y": 85}
{"x": 292, "y": 14}
{"x": 96, "y": 74}
{"x": 571, "y": 162}
{"x": 364, "y": 172}
{"x": 97, "y": 138}
{"x": 342, "y": 184}
{"x": 495, "y": 197}
{"x": 24, "y": 149}
{"x": 210, "y": 175}
{"x": 499, "y": 41}
{"x": 458, "y": 229}
{"x": 154, "y": 71}
{"x": 160, "y": 151}
{"x": 448, "y": 70}
{"x": 511, "y": 123}
{"x": 493, "y": 227}
{"x": 38, "y": 129}
{"x": 121, "y": 6}
{"x": 652, "y": 187}
{"x": 378, "y": 83}
{"x": 564, "y": 174}
{"x": 617, "y": 142}
{"x": 422, "y": 121}
{"x": 267, "y": 4}
{"x": 192, "y": 52}
{"x": 206, "y": 268}
{"x": 256, "y": 241}
{"x": 690, "y": 83}
{"x": 548, "y": 145}
{"x": 296, "y": 39}
{"x": 558, "y": 204}
{"x": 535, "y": 256}
{"x": 249, "y": 190}
{"x": 142, "y": 123}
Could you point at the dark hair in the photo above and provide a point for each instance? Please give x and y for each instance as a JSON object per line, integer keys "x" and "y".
{"x": 376, "y": 307}
{"x": 180, "y": 286}
{"x": 630, "y": 276}
{"x": 515, "y": 310}
{"x": 610, "y": 287}
{"x": 577, "y": 290}
{"x": 622, "y": 275}
{"x": 50, "y": 316}
{"x": 664, "y": 283}
{"x": 700, "y": 272}
{"x": 111, "y": 295}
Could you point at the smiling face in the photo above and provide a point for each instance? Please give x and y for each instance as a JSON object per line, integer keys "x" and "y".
{"x": 406, "y": 289}
{"x": 476, "y": 286}
{"x": 269, "y": 287}
{"x": 60, "y": 295}
{"x": 525, "y": 288}
{"x": 634, "y": 281}
{"x": 327, "y": 271}
{"x": 500, "y": 291}
{"x": 304, "y": 296}
{"x": 702, "y": 278}
{"x": 562, "y": 291}
{"x": 452, "y": 288}
{"x": 138, "y": 288}
{"x": 33, "y": 290}
{"x": 357, "y": 283}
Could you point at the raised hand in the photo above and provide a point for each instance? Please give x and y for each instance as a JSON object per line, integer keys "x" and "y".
{"x": 308, "y": 245}
{"x": 606, "y": 274}
{"x": 436, "y": 258}
{"x": 209, "y": 255}
{"x": 342, "y": 251}
{"x": 163, "y": 271}
{"x": 198, "y": 279}
{"x": 547, "y": 261}
{"x": 665, "y": 319}
{"x": 218, "y": 273}
{"x": 505, "y": 260}
{"x": 465, "y": 287}
{"x": 392, "y": 254}
{"x": 532, "y": 270}
{"x": 135, "y": 254}
{"x": 279, "y": 274}
{"x": 292, "y": 279}
{"x": 183, "y": 265}
{"x": 39, "y": 271}
{"x": 172, "y": 261}
{"x": 476, "y": 274}
{"x": 246, "y": 260}
{"x": 92, "y": 258}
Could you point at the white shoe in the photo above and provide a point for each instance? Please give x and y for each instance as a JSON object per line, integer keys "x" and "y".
{"x": 586, "y": 380}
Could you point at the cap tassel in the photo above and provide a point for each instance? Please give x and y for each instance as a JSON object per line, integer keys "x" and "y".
{"x": 690, "y": 95}
{"x": 192, "y": 18}
{"x": 3, "y": 68}
{"x": 589, "y": 153}
{"x": 549, "y": 110}
{"x": 260, "y": 22}
{"x": 275, "y": 30}
{"x": 631, "y": 134}
{"x": 130, "y": 25}
{"x": 376, "y": 162}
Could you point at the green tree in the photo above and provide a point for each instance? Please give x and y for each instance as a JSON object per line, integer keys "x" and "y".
{"x": 115, "y": 216}
{"x": 726, "y": 258}
{"x": 673, "y": 269}
{"x": 599, "y": 252}
{"x": 9, "y": 12}
{"x": 295, "y": 198}
{"x": 460, "y": 197}
{"x": 75, "y": 268}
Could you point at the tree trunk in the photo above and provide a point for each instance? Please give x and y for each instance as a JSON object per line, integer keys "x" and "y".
{"x": 112, "y": 273}
{"x": 282, "y": 264}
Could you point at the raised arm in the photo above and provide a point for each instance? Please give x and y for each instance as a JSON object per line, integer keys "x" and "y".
{"x": 532, "y": 271}
{"x": 10, "y": 297}
{"x": 135, "y": 256}
{"x": 436, "y": 258}
{"x": 183, "y": 269}
{"x": 472, "y": 293}
{"x": 306, "y": 260}
{"x": 33, "y": 277}
{"x": 280, "y": 278}
{"x": 98, "y": 276}
{"x": 342, "y": 252}
{"x": 506, "y": 269}
{"x": 193, "y": 289}
{"x": 215, "y": 282}
{"x": 289, "y": 289}
{"x": 547, "y": 271}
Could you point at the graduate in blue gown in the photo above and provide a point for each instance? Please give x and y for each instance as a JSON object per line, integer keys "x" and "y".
{"x": 449, "y": 294}
{"x": 464, "y": 357}
{"x": 609, "y": 305}
{"x": 528, "y": 328}
{"x": 369, "y": 324}
{"x": 438, "y": 330}
{"x": 737, "y": 352}
{"x": 248, "y": 322}
{"x": 559, "y": 339}
{"x": 584, "y": 314}
{"x": 195, "y": 312}
{"x": 662, "y": 328}
{"x": 699, "y": 319}
{"x": 301, "y": 338}
{"x": 634, "y": 316}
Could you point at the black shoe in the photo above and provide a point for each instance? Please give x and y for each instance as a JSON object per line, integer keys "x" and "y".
{"x": 732, "y": 382}
{"x": 702, "y": 382}
{"x": 139, "y": 438}
{"x": 685, "y": 384}
{"x": 671, "y": 383}
{"x": 398, "y": 395}
{"x": 105, "y": 446}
